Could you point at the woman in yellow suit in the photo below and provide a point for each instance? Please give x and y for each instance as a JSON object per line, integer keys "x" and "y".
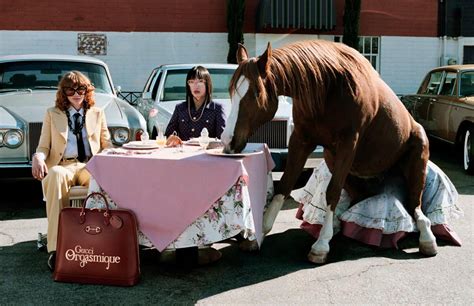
{"x": 73, "y": 130}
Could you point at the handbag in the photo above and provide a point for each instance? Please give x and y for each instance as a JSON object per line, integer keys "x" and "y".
{"x": 97, "y": 246}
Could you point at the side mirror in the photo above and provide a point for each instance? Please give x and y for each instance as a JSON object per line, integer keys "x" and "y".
{"x": 146, "y": 95}
{"x": 118, "y": 89}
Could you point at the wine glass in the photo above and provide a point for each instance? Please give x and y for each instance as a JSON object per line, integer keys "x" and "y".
{"x": 161, "y": 140}
{"x": 144, "y": 136}
{"x": 203, "y": 142}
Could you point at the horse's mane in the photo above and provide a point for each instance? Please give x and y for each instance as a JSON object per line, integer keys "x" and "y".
{"x": 309, "y": 70}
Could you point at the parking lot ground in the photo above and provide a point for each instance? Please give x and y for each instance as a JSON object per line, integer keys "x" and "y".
{"x": 278, "y": 274}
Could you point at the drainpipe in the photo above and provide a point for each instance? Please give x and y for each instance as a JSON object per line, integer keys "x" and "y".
{"x": 445, "y": 30}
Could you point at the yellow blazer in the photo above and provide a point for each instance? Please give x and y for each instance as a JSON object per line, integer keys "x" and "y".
{"x": 53, "y": 139}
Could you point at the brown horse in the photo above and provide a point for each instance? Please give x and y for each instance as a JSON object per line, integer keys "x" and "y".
{"x": 341, "y": 103}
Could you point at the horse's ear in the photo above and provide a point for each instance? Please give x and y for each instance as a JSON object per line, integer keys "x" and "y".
{"x": 242, "y": 54}
{"x": 264, "y": 61}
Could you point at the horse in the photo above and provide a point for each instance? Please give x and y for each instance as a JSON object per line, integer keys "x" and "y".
{"x": 340, "y": 103}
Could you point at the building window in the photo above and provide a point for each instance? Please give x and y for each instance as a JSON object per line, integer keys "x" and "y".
{"x": 296, "y": 14}
{"x": 369, "y": 47}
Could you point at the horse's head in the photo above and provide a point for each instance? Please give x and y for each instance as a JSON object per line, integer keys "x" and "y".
{"x": 252, "y": 103}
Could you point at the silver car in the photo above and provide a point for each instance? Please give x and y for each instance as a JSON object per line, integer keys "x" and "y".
{"x": 28, "y": 85}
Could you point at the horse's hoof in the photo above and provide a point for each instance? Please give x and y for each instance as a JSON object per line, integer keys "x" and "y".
{"x": 249, "y": 246}
{"x": 318, "y": 257}
{"x": 428, "y": 248}
{"x": 268, "y": 221}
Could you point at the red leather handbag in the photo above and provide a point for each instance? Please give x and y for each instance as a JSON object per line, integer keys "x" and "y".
{"x": 97, "y": 246}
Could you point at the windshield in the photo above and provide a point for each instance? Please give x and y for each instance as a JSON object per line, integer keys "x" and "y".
{"x": 174, "y": 87}
{"x": 46, "y": 75}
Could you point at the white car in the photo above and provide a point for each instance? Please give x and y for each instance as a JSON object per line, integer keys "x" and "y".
{"x": 165, "y": 88}
{"x": 28, "y": 85}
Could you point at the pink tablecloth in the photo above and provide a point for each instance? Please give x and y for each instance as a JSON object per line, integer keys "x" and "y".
{"x": 168, "y": 190}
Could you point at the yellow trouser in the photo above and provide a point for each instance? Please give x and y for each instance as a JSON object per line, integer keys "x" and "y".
{"x": 56, "y": 187}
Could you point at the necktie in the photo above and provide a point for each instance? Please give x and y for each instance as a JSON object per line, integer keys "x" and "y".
{"x": 81, "y": 152}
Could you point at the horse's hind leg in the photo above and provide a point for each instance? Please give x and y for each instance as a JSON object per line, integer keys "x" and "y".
{"x": 414, "y": 169}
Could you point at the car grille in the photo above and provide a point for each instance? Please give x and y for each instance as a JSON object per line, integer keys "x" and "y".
{"x": 273, "y": 133}
{"x": 34, "y": 135}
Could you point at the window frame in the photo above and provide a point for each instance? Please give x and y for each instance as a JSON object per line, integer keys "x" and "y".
{"x": 369, "y": 54}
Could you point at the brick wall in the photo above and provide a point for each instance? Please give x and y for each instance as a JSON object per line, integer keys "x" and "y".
{"x": 120, "y": 15}
{"x": 380, "y": 18}
{"x": 399, "y": 18}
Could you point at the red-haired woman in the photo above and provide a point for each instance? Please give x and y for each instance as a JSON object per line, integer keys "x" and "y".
{"x": 66, "y": 145}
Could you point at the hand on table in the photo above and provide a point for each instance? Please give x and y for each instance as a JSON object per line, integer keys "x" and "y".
{"x": 174, "y": 141}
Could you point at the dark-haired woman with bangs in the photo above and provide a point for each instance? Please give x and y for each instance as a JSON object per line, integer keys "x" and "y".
{"x": 197, "y": 112}
{"x": 66, "y": 145}
{"x": 188, "y": 120}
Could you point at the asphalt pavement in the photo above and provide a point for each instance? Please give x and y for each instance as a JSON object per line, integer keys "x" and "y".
{"x": 278, "y": 274}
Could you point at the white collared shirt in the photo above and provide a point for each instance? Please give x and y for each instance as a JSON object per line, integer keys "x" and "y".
{"x": 71, "y": 147}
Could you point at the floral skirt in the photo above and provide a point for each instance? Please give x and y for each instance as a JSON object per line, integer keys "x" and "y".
{"x": 380, "y": 220}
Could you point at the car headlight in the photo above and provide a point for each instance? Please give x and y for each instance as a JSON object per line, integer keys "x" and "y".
{"x": 1, "y": 138}
{"x": 13, "y": 138}
{"x": 120, "y": 136}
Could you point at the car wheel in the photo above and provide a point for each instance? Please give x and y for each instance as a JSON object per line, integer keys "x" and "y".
{"x": 468, "y": 150}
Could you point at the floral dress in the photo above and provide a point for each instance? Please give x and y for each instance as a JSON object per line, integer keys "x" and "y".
{"x": 382, "y": 219}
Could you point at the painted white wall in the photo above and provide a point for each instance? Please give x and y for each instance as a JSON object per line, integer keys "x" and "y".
{"x": 404, "y": 61}
{"x": 464, "y": 41}
{"x": 130, "y": 55}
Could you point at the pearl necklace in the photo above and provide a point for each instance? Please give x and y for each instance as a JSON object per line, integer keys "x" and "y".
{"x": 193, "y": 119}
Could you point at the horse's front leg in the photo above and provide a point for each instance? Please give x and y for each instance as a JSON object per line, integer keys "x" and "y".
{"x": 341, "y": 164}
{"x": 299, "y": 149}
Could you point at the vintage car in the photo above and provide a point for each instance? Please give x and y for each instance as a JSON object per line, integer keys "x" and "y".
{"x": 444, "y": 106}
{"x": 28, "y": 85}
{"x": 165, "y": 88}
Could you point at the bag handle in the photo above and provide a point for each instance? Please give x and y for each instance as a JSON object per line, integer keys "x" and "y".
{"x": 82, "y": 214}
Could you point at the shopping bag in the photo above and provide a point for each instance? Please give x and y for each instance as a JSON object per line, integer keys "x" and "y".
{"x": 97, "y": 246}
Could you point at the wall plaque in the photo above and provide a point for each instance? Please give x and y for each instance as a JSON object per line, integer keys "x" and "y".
{"x": 91, "y": 44}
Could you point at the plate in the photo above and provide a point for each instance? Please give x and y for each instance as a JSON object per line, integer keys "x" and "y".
{"x": 151, "y": 144}
{"x": 218, "y": 152}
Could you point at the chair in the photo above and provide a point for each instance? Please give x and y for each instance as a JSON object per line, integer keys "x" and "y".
{"x": 77, "y": 194}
